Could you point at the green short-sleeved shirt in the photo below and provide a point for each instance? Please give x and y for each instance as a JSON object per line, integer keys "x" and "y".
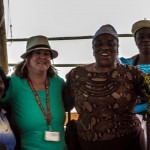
{"x": 29, "y": 117}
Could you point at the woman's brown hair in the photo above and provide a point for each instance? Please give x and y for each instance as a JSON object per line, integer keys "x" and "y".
{"x": 22, "y": 71}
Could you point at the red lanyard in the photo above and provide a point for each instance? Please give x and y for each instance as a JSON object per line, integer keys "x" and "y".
{"x": 46, "y": 114}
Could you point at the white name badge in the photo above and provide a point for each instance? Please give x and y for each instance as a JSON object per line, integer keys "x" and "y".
{"x": 51, "y": 136}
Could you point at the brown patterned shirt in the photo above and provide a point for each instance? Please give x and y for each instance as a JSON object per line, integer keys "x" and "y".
{"x": 105, "y": 101}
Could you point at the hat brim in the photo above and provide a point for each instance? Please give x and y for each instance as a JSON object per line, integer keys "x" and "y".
{"x": 140, "y": 24}
{"x": 102, "y": 33}
{"x": 53, "y": 52}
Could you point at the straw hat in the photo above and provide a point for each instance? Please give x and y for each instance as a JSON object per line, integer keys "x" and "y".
{"x": 140, "y": 24}
{"x": 36, "y": 43}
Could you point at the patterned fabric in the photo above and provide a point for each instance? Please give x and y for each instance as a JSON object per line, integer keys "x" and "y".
{"x": 6, "y": 134}
{"x": 147, "y": 82}
{"x": 142, "y": 106}
{"x": 105, "y": 101}
{"x": 133, "y": 141}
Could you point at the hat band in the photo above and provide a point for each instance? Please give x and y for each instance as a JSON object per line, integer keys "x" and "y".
{"x": 40, "y": 45}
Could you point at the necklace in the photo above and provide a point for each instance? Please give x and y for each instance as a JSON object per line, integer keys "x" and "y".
{"x": 46, "y": 114}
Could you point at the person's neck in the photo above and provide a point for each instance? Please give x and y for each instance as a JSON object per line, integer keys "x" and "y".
{"x": 143, "y": 59}
{"x": 38, "y": 80}
{"x": 98, "y": 68}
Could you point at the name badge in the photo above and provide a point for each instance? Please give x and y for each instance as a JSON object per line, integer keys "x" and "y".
{"x": 52, "y": 136}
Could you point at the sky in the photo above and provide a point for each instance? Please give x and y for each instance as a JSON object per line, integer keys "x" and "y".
{"x": 62, "y": 18}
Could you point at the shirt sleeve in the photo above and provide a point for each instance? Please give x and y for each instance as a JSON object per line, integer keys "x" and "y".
{"x": 144, "y": 88}
{"x": 69, "y": 90}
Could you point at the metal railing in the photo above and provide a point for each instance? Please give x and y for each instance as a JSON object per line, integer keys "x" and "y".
{"x": 66, "y": 38}
{"x": 63, "y": 38}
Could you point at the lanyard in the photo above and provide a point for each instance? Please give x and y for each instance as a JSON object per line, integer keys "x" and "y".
{"x": 47, "y": 114}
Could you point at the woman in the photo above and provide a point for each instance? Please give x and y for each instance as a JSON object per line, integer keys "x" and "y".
{"x": 141, "y": 34}
{"x": 104, "y": 94}
{"x": 35, "y": 96}
{"x": 7, "y": 138}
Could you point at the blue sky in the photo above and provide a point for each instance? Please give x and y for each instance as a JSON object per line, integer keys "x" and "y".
{"x": 56, "y": 18}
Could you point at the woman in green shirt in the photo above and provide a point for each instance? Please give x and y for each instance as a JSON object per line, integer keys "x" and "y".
{"x": 35, "y": 97}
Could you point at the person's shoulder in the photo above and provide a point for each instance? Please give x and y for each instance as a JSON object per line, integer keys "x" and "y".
{"x": 16, "y": 80}
{"x": 75, "y": 71}
{"x": 56, "y": 78}
{"x": 126, "y": 61}
{"x": 14, "y": 77}
{"x": 77, "y": 68}
{"x": 135, "y": 70}
{"x": 128, "y": 67}
{"x": 131, "y": 72}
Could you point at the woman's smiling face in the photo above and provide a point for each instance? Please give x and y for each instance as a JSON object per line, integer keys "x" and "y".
{"x": 40, "y": 60}
{"x": 142, "y": 39}
{"x": 105, "y": 50}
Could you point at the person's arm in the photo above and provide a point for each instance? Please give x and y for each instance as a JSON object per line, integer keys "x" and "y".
{"x": 148, "y": 124}
{"x": 147, "y": 82}
{"x": 68, "y": 94}
{"x": 146, "y": 91}
{"x": 67, "y": 98}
